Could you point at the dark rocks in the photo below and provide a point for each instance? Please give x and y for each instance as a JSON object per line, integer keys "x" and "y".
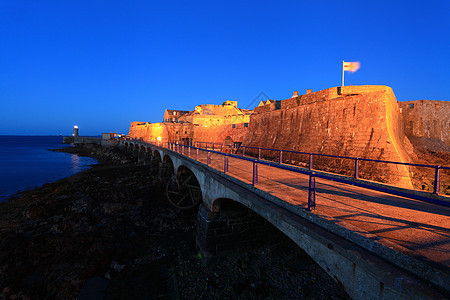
{"x": 109, "y": 233}
{"x": 94, "y": 288}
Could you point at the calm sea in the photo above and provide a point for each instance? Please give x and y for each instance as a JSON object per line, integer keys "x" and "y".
{"x": 25, "y": 163}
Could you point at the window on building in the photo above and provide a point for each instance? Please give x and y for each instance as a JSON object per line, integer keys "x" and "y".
{"x": 174, "y": 113}
{"x": 173, "y": 119}
{"x": 245, "y": 124}
{"x": 233, "y": 125}
{"x": 411, "y": 105}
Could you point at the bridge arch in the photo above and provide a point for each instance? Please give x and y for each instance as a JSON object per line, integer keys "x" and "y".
{"x": 233, "y": 228}
{"x": 141, "y": 153}
{"x": 157, "y": 156}
{"x": 183, "y": 189}
{"x": 126, "y": 147}
{"x": 155, "y": 162}
{"x": 229, "y": 207}
{"x": 148, "y": 155}
{"x": 167, "y": 168}
{"x": 136, "y": 150}
{"x": 327, "y": 248}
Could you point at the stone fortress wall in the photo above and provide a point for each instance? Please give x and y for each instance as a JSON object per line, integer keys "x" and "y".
{"x": 357, "y": 121}
{"x": 426, "y": 119}
{"x": 349, "y": 121}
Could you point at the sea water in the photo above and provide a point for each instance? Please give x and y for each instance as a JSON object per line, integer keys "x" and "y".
{"x": 26, "y": 162}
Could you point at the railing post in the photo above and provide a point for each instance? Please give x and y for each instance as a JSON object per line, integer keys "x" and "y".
{"x": 208, "y": 158}
{"x": 189, "y": 151}
{"x": 356, "y": 168}
{"x": 213, "y": 146}
{"x": 221, "y": 148}
{"x": 312, "y": 192}
{"x": 255, "y": 173}
{"x": 437, "y": 180}
{"x": 225, "y": 163}
{"x": 310, "y": 161}
{"x": 259, "y": 153}
{"x": 281, "y": 156}
{"x": 243, "y": 151}
{"x": 197, "y": 155}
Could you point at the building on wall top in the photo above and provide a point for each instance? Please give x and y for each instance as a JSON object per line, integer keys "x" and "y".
{"x": 228, "y": 108}
{"x": 229, "y": 102}
{"x": 211, "y": 114}
{"x": 173, "y": 116}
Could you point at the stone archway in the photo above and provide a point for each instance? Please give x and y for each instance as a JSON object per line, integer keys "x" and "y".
{"x": 155, "y": 163}
{"x": 233, "y": 228}
{"x": 183, "y": 189}
{"x": 167, "y": 169}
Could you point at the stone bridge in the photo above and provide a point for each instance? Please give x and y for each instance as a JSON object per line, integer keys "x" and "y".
{"x": 376, "y": 245}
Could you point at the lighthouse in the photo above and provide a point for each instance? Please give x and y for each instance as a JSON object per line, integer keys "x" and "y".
{"x": 75, "y": 131}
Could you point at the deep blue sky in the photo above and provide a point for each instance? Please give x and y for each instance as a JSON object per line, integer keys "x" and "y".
{"x": 102, "y": 64}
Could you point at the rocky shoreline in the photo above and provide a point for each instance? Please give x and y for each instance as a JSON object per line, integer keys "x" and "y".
{"x": 108, "y": 233}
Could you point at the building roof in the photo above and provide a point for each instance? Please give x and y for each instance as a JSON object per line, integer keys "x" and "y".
{"x": 266, "y": 102}
{"x": 179, "y": 113}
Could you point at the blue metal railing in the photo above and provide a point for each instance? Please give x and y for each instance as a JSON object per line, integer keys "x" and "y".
{"x": 185, "y": 149}
{"x": 357, "y": 160}
{"x": 312, "y": 175}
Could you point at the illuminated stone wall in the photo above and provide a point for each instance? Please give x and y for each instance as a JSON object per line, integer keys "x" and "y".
{"x": 357, "y": 121}
{"x": 350, "y": 121}
{"x": 426, "y": 118}
{"x": 166, "y": 131}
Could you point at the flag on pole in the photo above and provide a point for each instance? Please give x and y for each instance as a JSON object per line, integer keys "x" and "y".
{"x": 351, "y": 66}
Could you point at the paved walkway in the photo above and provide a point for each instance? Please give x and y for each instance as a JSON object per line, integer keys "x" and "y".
{"x": 410, "y": 225}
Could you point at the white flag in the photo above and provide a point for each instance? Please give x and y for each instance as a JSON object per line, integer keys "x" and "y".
{"x": 351, "y": 66}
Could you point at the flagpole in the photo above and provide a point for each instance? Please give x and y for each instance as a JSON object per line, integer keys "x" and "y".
{"x": 343, "y": 73}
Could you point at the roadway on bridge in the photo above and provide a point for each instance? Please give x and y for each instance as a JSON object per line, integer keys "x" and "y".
{"x": 413, "y": 227}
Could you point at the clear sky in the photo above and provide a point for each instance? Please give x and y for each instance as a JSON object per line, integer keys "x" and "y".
{"x": 102, "y": 64}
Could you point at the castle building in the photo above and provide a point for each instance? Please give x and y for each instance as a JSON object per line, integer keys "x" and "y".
{"x": 356, "y": 121}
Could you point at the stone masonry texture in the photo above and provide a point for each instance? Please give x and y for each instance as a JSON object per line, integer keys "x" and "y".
{"x": 356, "y": 121}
